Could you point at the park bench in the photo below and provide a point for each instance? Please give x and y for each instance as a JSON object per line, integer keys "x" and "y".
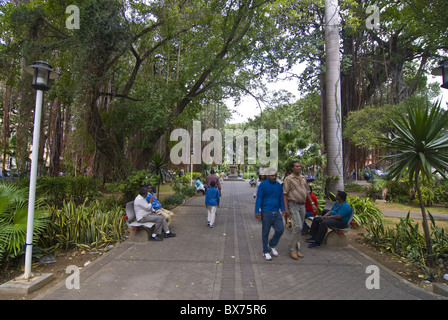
{"x": 140, "y": 232}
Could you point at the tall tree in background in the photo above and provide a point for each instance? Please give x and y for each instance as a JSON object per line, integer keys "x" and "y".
{"x": 335, "y": 176}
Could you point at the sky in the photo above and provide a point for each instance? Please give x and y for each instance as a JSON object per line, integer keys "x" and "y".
{"x": 248, "y": 107}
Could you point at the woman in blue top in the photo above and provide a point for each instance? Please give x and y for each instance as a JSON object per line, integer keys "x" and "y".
{"x": 211, "y": 203}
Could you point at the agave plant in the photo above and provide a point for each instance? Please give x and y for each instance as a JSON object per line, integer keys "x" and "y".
{"x": 420, "y": 146}
{"x": 13, "y": 220}
{"x": 158, "y": 165}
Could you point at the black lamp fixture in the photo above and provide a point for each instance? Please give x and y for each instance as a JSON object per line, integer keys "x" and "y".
{"x": 442, "y": 70}
{"x": 42, "y": 74}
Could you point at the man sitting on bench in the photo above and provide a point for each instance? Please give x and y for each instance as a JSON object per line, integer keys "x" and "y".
{"x": 145, "y": 213}
{"x": 156, "y": 205}
{"x": 337, "y": 217}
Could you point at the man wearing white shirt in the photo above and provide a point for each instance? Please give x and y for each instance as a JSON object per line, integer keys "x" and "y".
{"x": 145, "y": 213}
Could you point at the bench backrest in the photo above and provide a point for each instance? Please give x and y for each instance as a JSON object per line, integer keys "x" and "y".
{"x": 351, "y": 218}
{"x": 130, "y": 211}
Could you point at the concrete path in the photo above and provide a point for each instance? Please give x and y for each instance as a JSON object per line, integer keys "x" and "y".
{"x": 226, "y": 263}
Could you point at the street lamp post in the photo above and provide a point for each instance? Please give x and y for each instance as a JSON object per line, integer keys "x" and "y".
{"x": 442, "y": 70}
{"x": 191, "y": 166}
{"x": 42, "y": 74}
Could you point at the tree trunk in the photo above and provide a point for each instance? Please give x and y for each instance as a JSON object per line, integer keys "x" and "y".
{"x": 335, "y": 176}
{"x": 6, "y": 124}
{"x": 106, "y": 141}
{"x": 430, "y": 260}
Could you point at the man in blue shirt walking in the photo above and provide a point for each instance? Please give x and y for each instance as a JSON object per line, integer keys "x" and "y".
{"x": 270, "y": 201}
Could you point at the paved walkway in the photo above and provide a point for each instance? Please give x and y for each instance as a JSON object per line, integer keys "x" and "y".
{"x": 226, "y": 263}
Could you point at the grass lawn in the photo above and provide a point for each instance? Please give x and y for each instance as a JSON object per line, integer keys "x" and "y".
{"x": 393, "y": 206}
{"x": 165, "y": 190}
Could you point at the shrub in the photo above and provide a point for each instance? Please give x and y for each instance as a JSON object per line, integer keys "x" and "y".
{"x": 173, "y": 200}
{"x": 366, "y": 211}
{"x": 95, "y": 225}
{"x": 130, "y": 186}
{"x": 185, "y": 178}
{"x": 13, "y": 220}
{"x": 59, "y": 189}
{"x": 406, "y": 241}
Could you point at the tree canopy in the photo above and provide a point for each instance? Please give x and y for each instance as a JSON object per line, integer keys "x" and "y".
{"x": 135, "y": 70}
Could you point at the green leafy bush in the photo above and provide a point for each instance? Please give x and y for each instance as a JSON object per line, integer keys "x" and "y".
{"x": 13, "y": 220}
{"x": 59, "y": 189}
{"x": 130, "y": 186}
{"x": 366, "y": 211}
{"x": 173, "y": 200}
{"x": 95, "y": 226}
{"x": 406, "y": 241}
{"x": 185, "y": 178}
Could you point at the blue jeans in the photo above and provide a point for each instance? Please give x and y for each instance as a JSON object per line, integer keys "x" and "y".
{"x": 268, "y": 220}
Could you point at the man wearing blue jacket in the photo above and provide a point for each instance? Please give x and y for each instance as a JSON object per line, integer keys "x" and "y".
{"x": 270, "y": 208}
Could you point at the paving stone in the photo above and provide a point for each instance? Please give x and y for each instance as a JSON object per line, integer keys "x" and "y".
{"x": 226, "y": 263}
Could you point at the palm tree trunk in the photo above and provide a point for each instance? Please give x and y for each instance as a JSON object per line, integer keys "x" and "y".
{"x": 430, "y": 260}
{"x": 335, "y": 180}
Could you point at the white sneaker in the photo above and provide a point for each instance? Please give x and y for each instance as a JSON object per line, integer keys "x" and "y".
{"x": 274, "y": 252}
{"x": 267, "y": 256}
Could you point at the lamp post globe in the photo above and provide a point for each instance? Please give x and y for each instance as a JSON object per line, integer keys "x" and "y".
{"x": 442, "y": 70}
{"x": 42, "y": 73}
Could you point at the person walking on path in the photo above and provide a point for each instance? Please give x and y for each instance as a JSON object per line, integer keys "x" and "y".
{"x": 295, "y": 192}
{"x": 144, "y": 212}
{"x": 337, "y": 217}
{"x": 270, "y": 202}
{"x": 261, "y": 178}
{"x": 213, "y": 177}
{"x": 211, "y": 203}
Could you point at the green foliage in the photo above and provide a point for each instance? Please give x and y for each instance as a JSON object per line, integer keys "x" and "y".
{"x": 406, "y": 241}
{"x": 158, "y": 166}
{"x": 185, "y": 178}
{"x": 56, "y": 190}
{"x": 185, "y": 189}
{"x": 129, "y": 187}
{"x": 173, "y": 200}
{"x": 364, "y": 127}
{"x": 419, "y": 143}
{"x": 366, "y": 212}
{"x": 13, "y": 220}
{"x": 94, "y": 226}
{"x": 183, "y": 192}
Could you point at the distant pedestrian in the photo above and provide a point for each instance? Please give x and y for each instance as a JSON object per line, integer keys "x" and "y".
{"x": 215, "y": 178}
{"x": 211, "y": 203}
{"x": 261, "y": 178}
{"x": 269, "y": 207}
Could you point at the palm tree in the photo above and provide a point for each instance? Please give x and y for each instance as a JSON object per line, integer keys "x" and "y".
{"x": 420, "y": 145}
{"x": 13, "y": 218}
{"x": 335, "y": 180}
